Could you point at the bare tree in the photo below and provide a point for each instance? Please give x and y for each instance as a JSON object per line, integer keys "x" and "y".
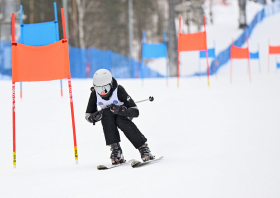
{"x": 172, "y": 40}
{"x": 81, "y": 13}
{"x": 242, "y": 13}
{"x": 103, "y": 24}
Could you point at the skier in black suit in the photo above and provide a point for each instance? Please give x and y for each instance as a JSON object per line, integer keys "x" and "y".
{"x": 117, "y": 111}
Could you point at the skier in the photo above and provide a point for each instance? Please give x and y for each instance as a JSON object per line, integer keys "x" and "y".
{"x": 117, "y": 111}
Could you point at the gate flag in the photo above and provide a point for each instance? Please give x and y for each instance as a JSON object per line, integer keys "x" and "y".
{"x": 240, "y": 53}
{"x": 42, "y": 63}
{"x": 256, "y": 55}
{"x": 192, "y": 42}
{"x": 272, "y": 50}
{"x": 39, "y": 34}
{"x": 211, "y": 53}
{"x": 154, "y": 50}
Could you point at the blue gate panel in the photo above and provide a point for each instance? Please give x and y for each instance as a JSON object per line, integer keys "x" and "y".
{"x": 254, "y": 55}
{"x": 39, "y": 34}
{"x": 154, "y": 50}
{"x": 211, "y": 53}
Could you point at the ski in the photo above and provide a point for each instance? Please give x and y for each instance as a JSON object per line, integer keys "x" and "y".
{"x": 103, "y": 167}
{"x": 135, "y": 164}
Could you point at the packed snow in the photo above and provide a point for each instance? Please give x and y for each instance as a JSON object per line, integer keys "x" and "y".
{"x": 218, "y": 141}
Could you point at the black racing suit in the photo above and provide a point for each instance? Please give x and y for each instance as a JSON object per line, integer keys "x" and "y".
{"x": 111, "y": 122}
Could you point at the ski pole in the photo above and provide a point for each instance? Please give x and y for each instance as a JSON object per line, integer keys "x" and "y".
{"x": 151, "y": 98}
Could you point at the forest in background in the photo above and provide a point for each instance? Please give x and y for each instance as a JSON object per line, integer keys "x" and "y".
{"x": 104, "y": 24}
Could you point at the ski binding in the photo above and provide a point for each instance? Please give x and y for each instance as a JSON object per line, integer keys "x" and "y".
{"x": 103, "y": 167}
{"x": 135, "y": 163}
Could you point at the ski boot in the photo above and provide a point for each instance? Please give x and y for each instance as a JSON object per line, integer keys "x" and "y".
{"x": 145, "y": 152}
{"x": 116, "y": 155}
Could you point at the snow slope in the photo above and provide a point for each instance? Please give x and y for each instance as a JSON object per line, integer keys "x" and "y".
{"x": 221, "y": 141}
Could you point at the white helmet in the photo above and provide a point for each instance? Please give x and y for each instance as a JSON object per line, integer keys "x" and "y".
{"x": 102, "y": 81}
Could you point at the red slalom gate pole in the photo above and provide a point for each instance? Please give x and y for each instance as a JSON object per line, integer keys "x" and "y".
{"x": 61, "y": 88}
{"x": 73, "y": 120}
{"x": 178, "y": 58}
{"x": 249, "y": 67}
{"x": 14, "y": 126}
{"x": 208, "y": 72}
{"x": 268, "y": 58}
{"x": 20, "y": 90}
{"x": 70, "y": 95}
{"x": 13, "y": 97}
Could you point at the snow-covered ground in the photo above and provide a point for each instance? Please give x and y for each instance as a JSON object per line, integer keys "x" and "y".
{"x": 218, "y": 141}
{"x": 221, "y": 141}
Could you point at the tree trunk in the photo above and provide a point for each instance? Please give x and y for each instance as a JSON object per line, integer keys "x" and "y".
{"x": 172, "y": 40}
{"x": 242, "y": 14}
{"x": 81, "y": 13}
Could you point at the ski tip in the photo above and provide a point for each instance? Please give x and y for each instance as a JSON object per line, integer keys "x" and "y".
{"x": 135, "y": 164}
{"x": 102, "y": 167}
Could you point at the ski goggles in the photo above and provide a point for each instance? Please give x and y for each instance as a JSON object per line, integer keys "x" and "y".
{"x": 102, "y": 90}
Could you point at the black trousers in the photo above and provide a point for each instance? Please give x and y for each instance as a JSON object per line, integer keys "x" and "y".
{"x": 112, "y": 122}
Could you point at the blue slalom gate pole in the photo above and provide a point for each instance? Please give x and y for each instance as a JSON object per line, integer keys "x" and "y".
{"x": 259, "y": 58}
{"x": 20, "y": 34}
{"x": 142, "y": 61}
{"x": 165, "y": 41}
{"x": 57, "y": 39}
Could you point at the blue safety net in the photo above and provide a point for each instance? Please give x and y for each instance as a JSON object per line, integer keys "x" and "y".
{"x": 146, "y": 72}
{"x": 85, "y": 62}
{"x": 78, "y": 60}
{"x": 254, "y": 55}
{"x": 211, "y": 53}
{"x": 5, "y": 58}
{"x": 155, "y": 50}
{"x": 224, "y": 56}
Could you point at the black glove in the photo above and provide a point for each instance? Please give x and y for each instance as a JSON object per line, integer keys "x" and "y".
{"x": 118, "y": 109}
{"x": 94, "y": 117}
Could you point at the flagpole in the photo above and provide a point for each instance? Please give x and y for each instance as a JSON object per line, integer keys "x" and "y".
{"x": 259, "y": 58}
{"x": 57, "y": 39}
{"x": 142, "y": 60}
{"x": 165, "y": 42}
{"x": 215, "y": 59}
{"x": 208, "y": 73}
{"x": 70, "y": 95}
{"x": 13, "y": 95}
{"x": 21, "y": 12}
{"x": 178, "y": 60}
{"x": 268, "y": 58}
{"x": 249, "y": 68}
{"x": 231, "y": 61}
